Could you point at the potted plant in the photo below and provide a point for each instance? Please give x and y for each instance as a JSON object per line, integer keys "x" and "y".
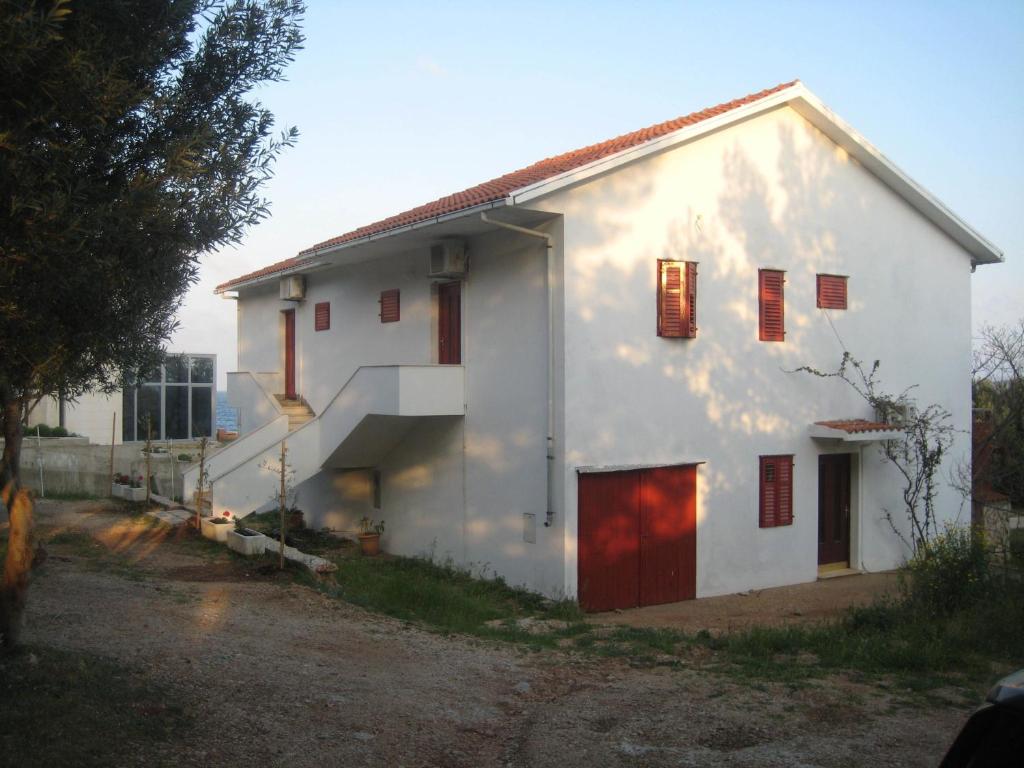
{"x": 136, "y": 491}
{"x": 246, "y": 541}
{"x": 296, "y": 521}
{"x": 217, "y": 528}
{"x": 369, "y": 536}
{"x": 119, "y": 488}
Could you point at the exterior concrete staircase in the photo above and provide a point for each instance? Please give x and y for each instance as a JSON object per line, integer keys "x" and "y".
{"x": 297, "y": 411}
{"x": 369, "y": 415}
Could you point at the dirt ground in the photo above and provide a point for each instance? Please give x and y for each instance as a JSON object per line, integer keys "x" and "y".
{"x": 281, "y": 675}
{"x": 796, "y": 604}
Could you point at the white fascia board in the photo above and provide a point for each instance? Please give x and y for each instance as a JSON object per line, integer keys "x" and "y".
{"x": 306, "y": 266}
{"x": 660, "y": 144}
{"x": 842, "y": 133}
{"x": 812, "y": 109}
{"x": 433, "y": 221}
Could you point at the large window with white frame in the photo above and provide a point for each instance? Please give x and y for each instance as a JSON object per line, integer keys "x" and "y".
{"x": 175, "y": 402}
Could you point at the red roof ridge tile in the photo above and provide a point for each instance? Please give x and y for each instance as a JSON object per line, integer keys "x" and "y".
{"x": 501, "y": 186}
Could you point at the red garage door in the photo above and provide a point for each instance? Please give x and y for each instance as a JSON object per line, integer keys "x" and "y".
{"x": 637, "y": 537}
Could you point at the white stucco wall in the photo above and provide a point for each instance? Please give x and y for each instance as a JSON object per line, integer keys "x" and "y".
{"x": 459, "y": 488}
{"x": 453, "y": 487}
{"x": 772, "y": 192}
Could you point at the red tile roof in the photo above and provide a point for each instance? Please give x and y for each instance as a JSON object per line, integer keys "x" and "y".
{"x": 853, "y": 426}
{"x": 501, "y": 187}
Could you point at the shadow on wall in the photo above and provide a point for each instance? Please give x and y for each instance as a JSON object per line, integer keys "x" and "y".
{"x": 810, "y": 209}
{"x": 815, "y": 211}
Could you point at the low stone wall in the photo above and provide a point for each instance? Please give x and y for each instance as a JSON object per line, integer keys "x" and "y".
{"x": 73, "y": 466}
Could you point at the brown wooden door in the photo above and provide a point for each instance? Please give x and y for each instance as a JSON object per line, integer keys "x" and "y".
{"x": 609, "y": 540}
{"x": 668, "y": 535}
{"x": 637, "y": 537}
{"x": 289, "y": 354}
{"x": 449, "y": 323}
{"x": 834, "y": 509}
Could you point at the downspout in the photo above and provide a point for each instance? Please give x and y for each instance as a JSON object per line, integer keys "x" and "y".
{"x": 548, "y": 281}
{"x": 861, "y": 507}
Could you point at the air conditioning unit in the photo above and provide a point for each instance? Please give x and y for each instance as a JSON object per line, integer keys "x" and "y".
{"x": 293, "y": 288}
{"x": 448, "y": 259}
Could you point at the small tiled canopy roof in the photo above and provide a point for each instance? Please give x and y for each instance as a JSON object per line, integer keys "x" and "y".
{"x": 856, "y": 426}
{"x": 501, "y": 187}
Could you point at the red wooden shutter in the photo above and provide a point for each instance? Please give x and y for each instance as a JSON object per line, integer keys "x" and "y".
{"x": 670, "y": 298}
{"x": 390, "y": 306}
{"x": 776, "y": 491}
{"x": 677, "y": 299}
{"x": 691, "y": 299}
{"x": 785, "y": 473}
{"x": 831, "y": 292}
{"x": 771, "y": 305}
{"x": 322, "y": 316}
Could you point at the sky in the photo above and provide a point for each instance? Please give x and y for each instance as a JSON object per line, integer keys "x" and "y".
{"x": 398, "y": 104}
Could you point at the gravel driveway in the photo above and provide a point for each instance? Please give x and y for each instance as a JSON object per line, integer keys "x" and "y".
{"x": 281, "y": 675}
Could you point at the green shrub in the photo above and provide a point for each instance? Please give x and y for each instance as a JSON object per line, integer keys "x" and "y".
{"x": 46, "y": 431}
{"x": 952, "y": 572}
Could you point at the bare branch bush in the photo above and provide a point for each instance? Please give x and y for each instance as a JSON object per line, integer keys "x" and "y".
{"x": 917, "y": 456}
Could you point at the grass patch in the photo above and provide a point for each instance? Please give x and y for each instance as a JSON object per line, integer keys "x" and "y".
{"x": 904, "y": 640}
{"x": 64, "y": 708}
{"x": 68, "y": 496}
{"x": 451, "y": 600}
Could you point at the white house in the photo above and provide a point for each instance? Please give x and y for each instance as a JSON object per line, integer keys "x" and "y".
{"x": 577, "y": 375}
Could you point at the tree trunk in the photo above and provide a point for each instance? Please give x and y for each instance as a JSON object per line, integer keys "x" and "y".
{"x": 17, "y": 564}
{"x": 10, "y": 464}
{"x": 18, "y": 503}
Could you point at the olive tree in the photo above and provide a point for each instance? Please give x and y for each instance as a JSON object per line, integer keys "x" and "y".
{"x": 130, "y": 144}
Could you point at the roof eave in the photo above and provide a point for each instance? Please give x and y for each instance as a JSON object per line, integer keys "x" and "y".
{"x": 315, "y": 257}
{"x": 810, "y": 107}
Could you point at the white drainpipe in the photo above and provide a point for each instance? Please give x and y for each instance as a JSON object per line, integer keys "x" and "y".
{"x": 551, "y": 353}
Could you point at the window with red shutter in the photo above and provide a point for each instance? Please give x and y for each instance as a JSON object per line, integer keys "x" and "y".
{"x": 390, "y": 306}
{"x": 831, "y": 292}
{"x": 677, "y": 299}
{"x": 776, "y": 491}
{"x": 322, "y": 316}
{"x": 771, "y": 305}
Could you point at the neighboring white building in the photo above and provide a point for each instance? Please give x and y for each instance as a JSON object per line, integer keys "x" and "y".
{"x": 93, "y": 415}
{"x": 567, "y": 376}
{"x": 176, "y": 402}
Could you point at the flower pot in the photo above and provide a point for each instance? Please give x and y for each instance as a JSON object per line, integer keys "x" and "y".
{"x": 247, "y": 542}
{"x": 135, "y": 494}
{"x": 296, "y": 520}
{"x": 216, "y": 528}
{"x": 117, "y": 490}
{"x": 369, "y": 543}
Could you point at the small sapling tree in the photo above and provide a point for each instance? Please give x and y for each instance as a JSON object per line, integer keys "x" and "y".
{"x": 284, "y": 493}
{"x": 201, "y": 481}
